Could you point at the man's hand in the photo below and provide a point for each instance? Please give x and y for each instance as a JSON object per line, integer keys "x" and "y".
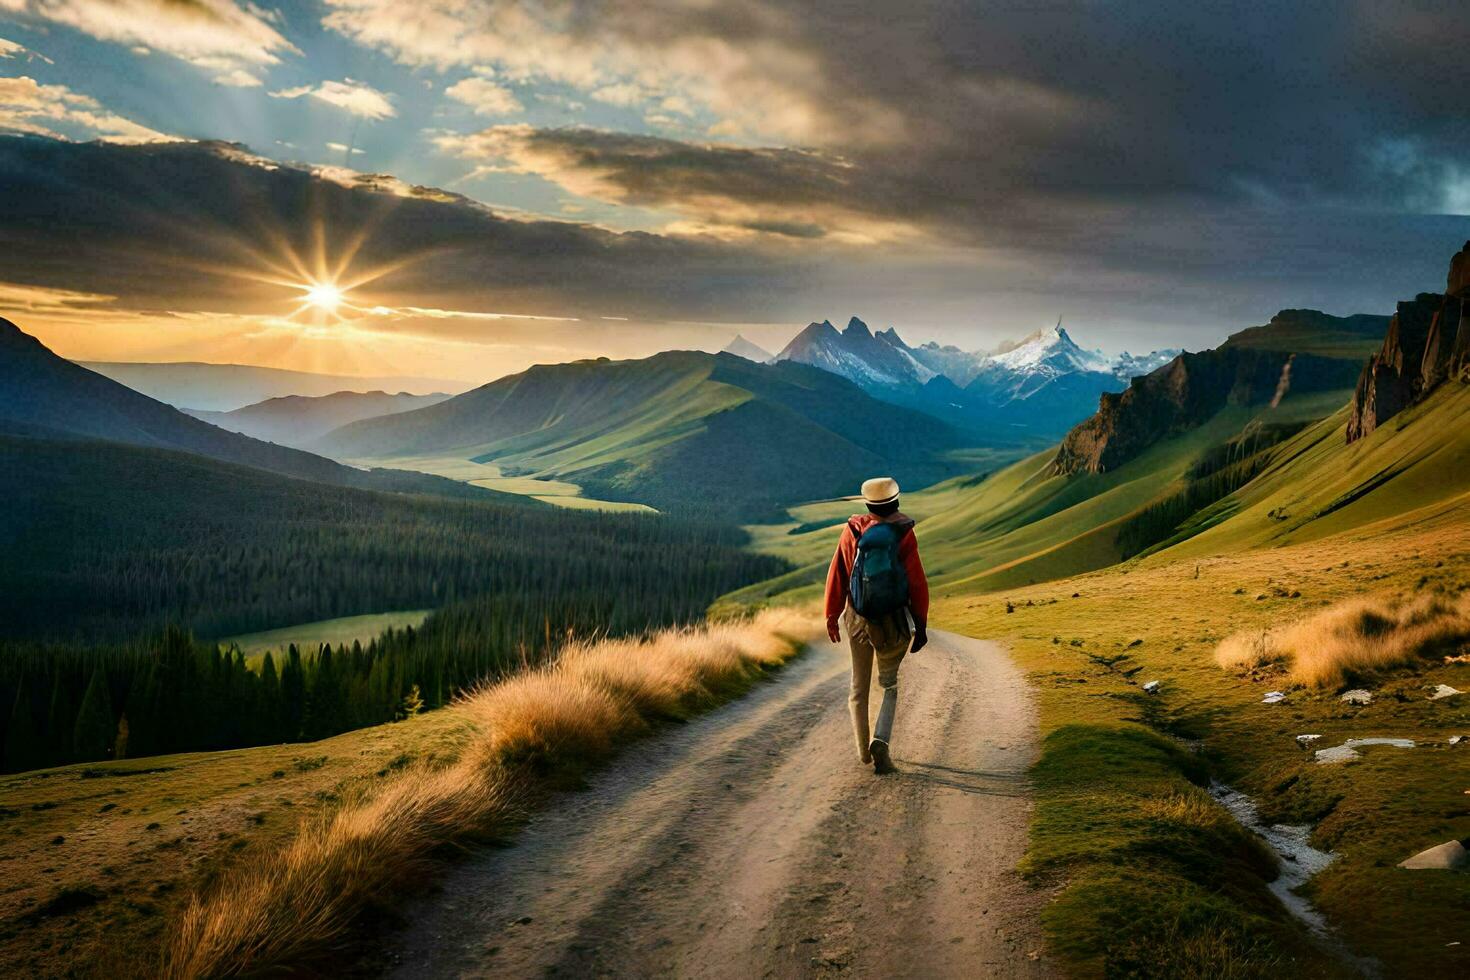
{"x": 921, "y": 637}
{"x": 832, "y": 632}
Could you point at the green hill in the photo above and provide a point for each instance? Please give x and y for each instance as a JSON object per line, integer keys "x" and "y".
{"x": 681, "y": 431}
{"x": 1258, "y": 457}
{"x": 295, "y": 420}
{"x": 43, "y": 393}
{"x": 104, "y": 540}
{"x": 1027, "y": 523}
{"x": 1314, "y": 332}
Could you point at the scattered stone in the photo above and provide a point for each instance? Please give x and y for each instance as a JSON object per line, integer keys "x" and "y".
{"x": 1456, "y": 739}
{"x": 1442, "y": 691}
{"x": 1305, "y": 741}
{"x": 1274, "y": 697}
{"x": 1152, "y": 687}
{"x": 1348, "y": 750}
{"x": 1357, "y": 696}
{"x": 1443, "y": 857}
{"x": 1139, "y": 643}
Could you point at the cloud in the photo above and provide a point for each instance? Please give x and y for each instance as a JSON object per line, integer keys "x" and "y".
{"x": 18, "y": 298}
{"x": 218, "y": 34}
{"x": 344, "y": 148}
{"x": 210, "y": 226}
{"x": 27, "y": 106}
{"x": 347, "y": 95}
{"x": 742, "y": 59}
{"x": 14, "y": 49}
{"x": 1000, "y": 120}
{"x": 237, "y": 78}
{"x": 486, "y": 97}
{"x": 713, "y": 187}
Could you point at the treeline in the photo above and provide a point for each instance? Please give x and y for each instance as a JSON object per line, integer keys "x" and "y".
{"x": 173, "y": 693}
{"x": 1221, "y": 472}
{"x": 1255, "y": 437}
{"x": 104, "y": 541}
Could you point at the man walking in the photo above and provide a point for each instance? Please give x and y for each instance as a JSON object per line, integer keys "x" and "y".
{"x": 876, "y": 576}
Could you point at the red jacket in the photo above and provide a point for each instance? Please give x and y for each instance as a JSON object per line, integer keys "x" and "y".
{"x": 840, "y": 570}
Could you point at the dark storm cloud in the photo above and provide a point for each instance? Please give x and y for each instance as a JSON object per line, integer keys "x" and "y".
{"x": 1004, "y": 105}
{"x": 779, "y": 191}
{"x": 1110, "y": 135}
{"x": 200, "y": 226}
{"x": 1181, "y": 166}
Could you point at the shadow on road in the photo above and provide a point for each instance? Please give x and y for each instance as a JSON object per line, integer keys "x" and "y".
{"x": 1003, "y": 782}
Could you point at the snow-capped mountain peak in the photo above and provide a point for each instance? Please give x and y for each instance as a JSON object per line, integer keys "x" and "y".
{"x": 856, "y": 354}
{"x": 1052, "y": 350}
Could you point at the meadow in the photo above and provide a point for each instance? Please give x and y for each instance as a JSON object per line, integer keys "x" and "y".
{"x": 253, "y": 860}
{"x": 343, "y": 631}
{"x": 1351, "y": 559}
{"x": 1121, "y": 804}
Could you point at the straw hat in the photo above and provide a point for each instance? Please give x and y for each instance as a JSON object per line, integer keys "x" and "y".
{"x": 880, "y": 490}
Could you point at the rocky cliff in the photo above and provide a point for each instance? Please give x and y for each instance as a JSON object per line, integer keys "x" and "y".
{"x": 1187, "y": 392}
{"x": 1428, "y": 342}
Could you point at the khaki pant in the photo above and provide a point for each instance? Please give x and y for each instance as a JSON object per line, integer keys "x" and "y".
{"x": 885, "y": 641}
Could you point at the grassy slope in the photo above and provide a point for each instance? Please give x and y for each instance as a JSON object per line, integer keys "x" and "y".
{"x": 335, "y": 632}
{"x": 1155, "y": 876}
{"x": 1021, "y": 525}
{"x": 670, "y": 429}
{"x": 1080, "y": 655}
{"x": 558, "y": 493}
{"x": 136, "y": 834}
{"x": 1159, "y": 618}
{"x": 100, "y": 860}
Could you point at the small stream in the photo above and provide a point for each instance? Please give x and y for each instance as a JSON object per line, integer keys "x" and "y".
{"x": 1298, "y": 859}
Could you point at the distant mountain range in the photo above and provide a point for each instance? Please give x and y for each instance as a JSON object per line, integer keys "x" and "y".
{"x": 741, "y": 347}
{"x": 681, "y": 430}
{"x": 48, "y": 397}
{"x": 296, "y": 420}
{"x": 226, "y": 387}
{"x": 1039, "y": 386}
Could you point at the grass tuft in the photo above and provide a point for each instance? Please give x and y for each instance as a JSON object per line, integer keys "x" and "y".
{"x": 1354, "y": 639}
{"x": 289, "y": 911}
{"x": 1155, "y": 878}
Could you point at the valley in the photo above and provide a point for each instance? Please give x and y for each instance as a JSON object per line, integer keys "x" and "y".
{"x": 1223, "y": 494}
{"x": 488, "y": 475}
{"x": 734, "y": 490}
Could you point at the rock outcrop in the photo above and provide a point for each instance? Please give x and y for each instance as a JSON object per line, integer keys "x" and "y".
{"x": 1187, "y": 392}
{"x": 1428, "y": 343}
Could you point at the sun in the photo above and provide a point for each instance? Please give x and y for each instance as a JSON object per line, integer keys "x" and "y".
{"x": 325, "y": 296}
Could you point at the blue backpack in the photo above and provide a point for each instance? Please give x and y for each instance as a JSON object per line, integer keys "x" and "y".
{"x": 879, "y": 585}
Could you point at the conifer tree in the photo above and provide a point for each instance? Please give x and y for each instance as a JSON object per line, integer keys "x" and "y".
{"x": 293, "y": 695}
{"x": 411, "y": 704}
{"x": 269, "y": 723}
{"x": 95, "y": 731}
{"x": 61, "y": 720}
{"x": 24, "y": 746}
{"x": 120, "y": 741}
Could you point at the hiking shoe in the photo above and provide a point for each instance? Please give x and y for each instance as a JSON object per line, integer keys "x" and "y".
{"x": 882, "y": 764}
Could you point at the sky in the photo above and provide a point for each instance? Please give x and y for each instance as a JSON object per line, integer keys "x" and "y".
{"x": 460, "y": 188}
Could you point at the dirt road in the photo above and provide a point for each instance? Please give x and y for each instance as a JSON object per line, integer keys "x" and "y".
{"x": 751, "y": 843}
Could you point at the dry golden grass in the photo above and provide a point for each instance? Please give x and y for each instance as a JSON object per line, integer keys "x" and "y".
{"x": 1354, "y": 638}
{"x": 285, "y": 911}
